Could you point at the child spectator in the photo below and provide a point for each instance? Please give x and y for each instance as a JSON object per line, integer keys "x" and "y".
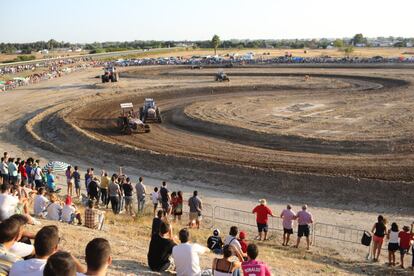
{"x": 405, "y": 242}
{"x": 215, "y": 243}
{"x": 69, "y": 212}
{"x": 393, "y": 246}
{"x": 155, "y": 198}
{"x": 242, "y": 241}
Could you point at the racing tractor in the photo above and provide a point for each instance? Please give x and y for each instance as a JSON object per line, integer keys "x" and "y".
{"x": 221, "y": 76}
{"x": 150, "y": 112}
{"x": 128, "y": 121}
{"x": 110, "y": 74}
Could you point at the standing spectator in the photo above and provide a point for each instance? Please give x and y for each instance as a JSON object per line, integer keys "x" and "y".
{"x": 69, "y": 181}
{"x": 38, "y": 175}
{"x": 393, "y": 246}
{"x": 252, "y": 267}
{"x": 160, "y": 249}
{"x": 69, "y": 212}
{"x": 186, "y": 255}
{"x": 214, "y": 242}
{"x": 196, "y": 207}
{"x": 165, "y": 198}
{"x": 46, "y": 244}
{"x": 141, "y": 192}
{"x": 114, "y": 194}
{"x": 10, "y": 233}
{"x": 76, "y": 179}
{"x": 88, "y": 176}
{"x": 242, "y": 241}
{"x": 177, "y": 205}
{"x": 40, "y": 203}
{"x": 287, "y": 216}
{"x": 304, "y": 219}
{"x": 98, "y": 257}
{"x": 379, "y": 229}
{"x": 405, "y": 242}
{"x": 50, "y": 177}
{"x": 29, "y": 168}
{"x": 54, "y": 209}
{"x": 94, "y": 218}
{"x": 155, "y": 198}
{"x": 225, "y": 266}
{"x": 12, "y": 172}
{"x": 128, "y": 190}
{"x": 262, "y": 213}
{"x": 104, "y": 188}
{"x": 156, "y": 223}
{"x": 23, "y": 174}
{"x": 4, "y": 169}
{"x": 93, "y": 190}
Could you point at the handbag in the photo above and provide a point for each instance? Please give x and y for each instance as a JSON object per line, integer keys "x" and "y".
{"x": 366, "y": 238}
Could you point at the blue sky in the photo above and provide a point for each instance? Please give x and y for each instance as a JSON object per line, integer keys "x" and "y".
{"x": 126, "y": 20}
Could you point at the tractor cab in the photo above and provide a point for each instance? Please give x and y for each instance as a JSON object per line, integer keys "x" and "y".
{"x": 149, "y": 103}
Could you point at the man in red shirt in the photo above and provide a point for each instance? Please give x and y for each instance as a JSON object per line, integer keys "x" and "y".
{"x": 262, "y": 213}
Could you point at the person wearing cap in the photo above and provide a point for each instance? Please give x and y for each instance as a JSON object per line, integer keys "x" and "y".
{"x": 304, "y": 219}
{"x": 215, "y": 243}
{"x": 242, "y": 241}
{"x": 69, "y": 212}
{"x": 262, "y": 213}
{"x": 405, "y": 236}
{"x": 287, "y": 216}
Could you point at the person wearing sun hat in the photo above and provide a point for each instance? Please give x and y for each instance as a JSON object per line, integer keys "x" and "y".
{"x": 262, "y": 212}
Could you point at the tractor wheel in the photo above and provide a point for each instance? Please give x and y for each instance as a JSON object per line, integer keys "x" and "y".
{"x": 141, "y": 113}
{"x": 120, "y": 123}
{"x": 115, "y": 78}
{"x": 128, "y": 131}
{"x": 147, "y": 128}
{"x": 103, "y": 78}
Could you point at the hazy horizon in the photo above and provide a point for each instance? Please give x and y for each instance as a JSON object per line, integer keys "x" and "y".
{"x": 99, "y": 21}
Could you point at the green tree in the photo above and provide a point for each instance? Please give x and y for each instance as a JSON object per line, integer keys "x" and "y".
{"x": 215, "y": 41}
{"x": 338, "y": 43}
{"x": 358, "y": 39}
{"x": 348, "y": 50}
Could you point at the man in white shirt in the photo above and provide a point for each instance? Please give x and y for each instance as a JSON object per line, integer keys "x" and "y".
{"x": 40, "y": 202}
{"x": 8, "y": 202}
{"x": 186, "y": 255}
{"x": 4, "y": 170}
{"x": 37, "y": 175}
{"x": 46, "y": 244}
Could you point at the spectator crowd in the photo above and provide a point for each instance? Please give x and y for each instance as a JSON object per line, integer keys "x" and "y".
{"x": 29, "y": 195}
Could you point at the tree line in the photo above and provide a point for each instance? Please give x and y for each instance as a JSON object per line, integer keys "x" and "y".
{"x": 99, "y": 47}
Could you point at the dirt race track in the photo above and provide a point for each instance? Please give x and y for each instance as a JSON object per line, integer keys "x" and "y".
{"x": 343, "y": 136}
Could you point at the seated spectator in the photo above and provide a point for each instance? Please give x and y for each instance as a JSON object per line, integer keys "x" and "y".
{"x": 252, "y": 267}
{"x": 160, "y": 249}
{"x": 186, "y": 255}
{"x": 156, "y": 222}
{"x": 214, "y": 243}
{"x": 60, "y": 264}
{"x": 40, "y": 203}
{"x": 69, "y": 212}
{"x": 98, "y": 257}
{"x": 242, "y": 241}
{"x": 23, "y": 248}
{"x": 225, "y": 266}
{"x": 405, "y": 242}
{"x": 46, "y": 244}
{"x": 10, "y": 233}
{"x": 8, "y": 202}
{"x": 94, "y": 218}
{"x": 231, "y": 239}
{"x": 54, "y": 210}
